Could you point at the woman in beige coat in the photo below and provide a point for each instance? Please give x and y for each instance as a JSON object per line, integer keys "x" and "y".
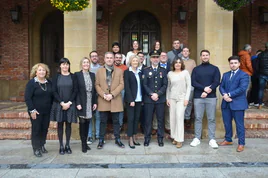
{"x": 178, "y": 93}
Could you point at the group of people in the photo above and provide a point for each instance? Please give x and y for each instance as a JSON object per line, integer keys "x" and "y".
{"x": 256, "y": 66}
{"x": 166, "y": 83}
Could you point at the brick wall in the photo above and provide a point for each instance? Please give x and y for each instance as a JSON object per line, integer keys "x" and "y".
{"x": 259, "y": 32}
{"x": 14, "y": 40}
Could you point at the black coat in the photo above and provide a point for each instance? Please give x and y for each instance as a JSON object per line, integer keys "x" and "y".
{"x": 56, "y": 95}
{"x": 154, "y": 82}
{"x": 81, "y": 98}
{"x": 131, "y": 86}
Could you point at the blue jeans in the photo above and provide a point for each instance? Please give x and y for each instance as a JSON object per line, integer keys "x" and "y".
{"x": 262, "y": 84}
{"x": 121, "y": 114}
{"x": 95, "y": 120}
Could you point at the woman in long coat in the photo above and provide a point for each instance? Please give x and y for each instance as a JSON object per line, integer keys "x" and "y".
{"x": 85, "y": 100}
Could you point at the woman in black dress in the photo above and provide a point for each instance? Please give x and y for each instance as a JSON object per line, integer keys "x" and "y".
{"x": 85, "y": 100}
{"x": 133, "y": 98}
{"x": 63, "y": 109}
{"x": 38, "y": 98}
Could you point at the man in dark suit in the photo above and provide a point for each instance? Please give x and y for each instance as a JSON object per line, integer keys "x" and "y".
{"x": 141, "y": 55}
{"x": 233, "y": 88}
{"x": 155, "y": 85}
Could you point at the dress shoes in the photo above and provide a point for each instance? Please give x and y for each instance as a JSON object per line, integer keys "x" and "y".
{"x": 62, "y": 150}
{"x": 43, "y": 149}
{"x": 136, "y": 143}
{"x": 160, "y": 142}
{"x": 100, "y": 145}
{"x": 37, "y": 153}
{"x": 240, "y": 148}
{"x": 224, "y": 143}
{"x": 167, "y": 131}
{"x": 119, "y": 143}
{"x": 68, "y": 149}
{"x": 154, "y": 132}
{"x": 146, "y": 142}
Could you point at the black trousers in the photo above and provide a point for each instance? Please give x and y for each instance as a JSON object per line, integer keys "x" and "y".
{"x": 103, "y": 124}
{"x": 39, "y": 130}
{"x": 83, "y": 130}
{"x": 160, "y": 115}
{"x": 254, "y": 92}
{"x": 133, "y": 116}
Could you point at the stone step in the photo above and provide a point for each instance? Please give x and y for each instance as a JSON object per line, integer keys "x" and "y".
{"x": 256, "y": 123}
{"x": 256, "y": 133}
{"x": 14, "y": 115}
{"x": 21, "y": 93}
{"x": 16, "y": 134}
{"x": 20, "y": 124}
{"x": 253, "y": 113}
{"x": 17, "y": 98}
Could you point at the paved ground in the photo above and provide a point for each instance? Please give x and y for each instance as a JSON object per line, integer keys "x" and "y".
{"x": 17, "y": 160}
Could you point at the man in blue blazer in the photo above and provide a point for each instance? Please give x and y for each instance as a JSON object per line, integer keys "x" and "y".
{"x": 233, "y": 88}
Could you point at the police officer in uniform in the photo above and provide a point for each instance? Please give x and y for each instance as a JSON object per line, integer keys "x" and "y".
{"x": 155, "y": 85}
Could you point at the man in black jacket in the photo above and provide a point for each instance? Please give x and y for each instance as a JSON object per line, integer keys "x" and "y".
{"x": 155, "y": 85}
{"x": 263, "y": 73}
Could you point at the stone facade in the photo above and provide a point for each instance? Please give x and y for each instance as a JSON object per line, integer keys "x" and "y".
{"x": 19, "y": 50}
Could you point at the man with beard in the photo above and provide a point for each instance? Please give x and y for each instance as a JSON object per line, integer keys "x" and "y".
{"x": 155, "y": 85}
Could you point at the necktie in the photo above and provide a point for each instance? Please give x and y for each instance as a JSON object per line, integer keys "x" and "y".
{"x": 232, "y": 74}
{"x": 154, "y": 69}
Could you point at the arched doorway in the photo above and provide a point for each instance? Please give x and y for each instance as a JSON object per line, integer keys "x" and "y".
{"x": 52, "y": 40}
{"x": 141, "y": 26}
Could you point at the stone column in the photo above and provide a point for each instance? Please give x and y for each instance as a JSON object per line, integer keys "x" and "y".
{"x": 79, "y": 34}
{"x": 215, "y": 33}
{"x": 79, "y": 40}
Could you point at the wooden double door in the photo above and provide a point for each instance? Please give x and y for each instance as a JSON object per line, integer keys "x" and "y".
{"x": 141, "y": 26}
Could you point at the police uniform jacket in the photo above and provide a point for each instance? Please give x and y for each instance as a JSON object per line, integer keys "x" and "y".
{"x": 154, "y": 82}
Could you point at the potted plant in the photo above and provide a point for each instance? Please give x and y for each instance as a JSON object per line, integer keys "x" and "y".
{"x": 70, "y": 5}
{"x": 233, "y": 5}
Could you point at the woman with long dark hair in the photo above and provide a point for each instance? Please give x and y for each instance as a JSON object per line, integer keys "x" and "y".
{"x": 63, "y": 109}
{"x": 135, "y": 48}
{"x": 178, "y": 93}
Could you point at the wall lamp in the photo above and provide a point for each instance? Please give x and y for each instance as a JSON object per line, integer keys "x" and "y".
{"x": 16, "y": 14}
{"x": 99, "y": 13}
{"x": 181, "y": 15}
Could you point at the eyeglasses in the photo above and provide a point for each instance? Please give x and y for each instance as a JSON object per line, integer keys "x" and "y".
{"x": 94, "y": 56}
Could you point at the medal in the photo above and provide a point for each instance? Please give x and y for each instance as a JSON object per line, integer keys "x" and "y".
{"x": 150, "y": 73}
{"x": 160, "y": 74}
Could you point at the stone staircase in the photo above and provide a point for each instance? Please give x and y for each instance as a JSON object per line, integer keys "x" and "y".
{"x": 15, "y": 124}
{"x": 256, "y": 123}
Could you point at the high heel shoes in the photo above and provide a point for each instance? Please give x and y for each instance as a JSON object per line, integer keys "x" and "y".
{"x": 62, "y": 151}
{"x": 136, "y": 143}
{"x": 132, "y": 147}
{"x": 68, "y": 149}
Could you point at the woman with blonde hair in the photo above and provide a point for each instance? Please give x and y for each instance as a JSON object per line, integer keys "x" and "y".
{"x": 38, "y": 98}
{"x": 85, "y": 100}
{"x": 133, "y": 98}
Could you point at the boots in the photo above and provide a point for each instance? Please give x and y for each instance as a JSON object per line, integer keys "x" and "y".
{"x": 83, "y": 136}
